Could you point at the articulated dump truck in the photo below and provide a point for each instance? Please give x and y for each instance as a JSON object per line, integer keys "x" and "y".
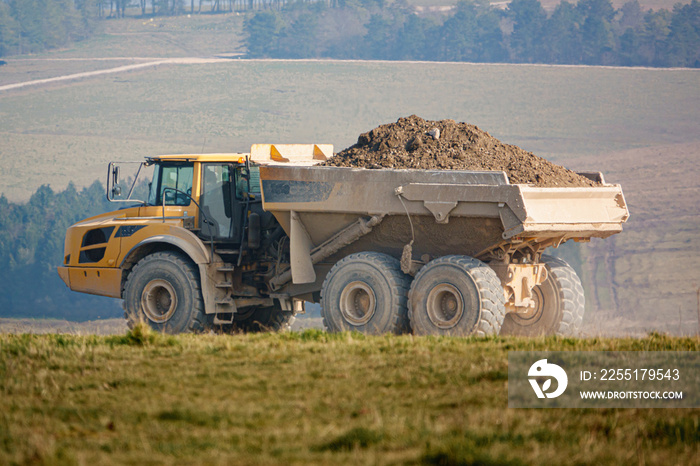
{"x": 240, "y": 242}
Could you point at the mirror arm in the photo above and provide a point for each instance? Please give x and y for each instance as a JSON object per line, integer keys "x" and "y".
{"x": 136, "y": 178}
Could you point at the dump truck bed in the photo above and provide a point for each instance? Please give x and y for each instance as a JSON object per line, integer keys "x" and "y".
{"x": 442, "y": 211}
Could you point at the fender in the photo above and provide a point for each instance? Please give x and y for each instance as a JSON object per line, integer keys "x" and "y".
{"x": 193, "y": 247}
{"x": 179, "y": 237}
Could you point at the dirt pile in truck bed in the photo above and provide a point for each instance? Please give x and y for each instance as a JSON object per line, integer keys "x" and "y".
{"x": 413, "y": 142}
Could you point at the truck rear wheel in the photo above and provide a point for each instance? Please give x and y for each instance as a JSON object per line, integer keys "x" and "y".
{"x": 559, "y": 304}
{"x": 456, "y": 296}
{"x": 163, "y": 291}
{"x": 365, "y": 292}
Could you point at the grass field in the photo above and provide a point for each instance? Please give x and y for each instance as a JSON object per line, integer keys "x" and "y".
{"x": 309, "y": 398}
{"x": 68, "y": 131}
{"x": 177, "y": 36}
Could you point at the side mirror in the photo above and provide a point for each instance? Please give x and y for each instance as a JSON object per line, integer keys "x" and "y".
{"x": 169, "y": 196}
{"x": 116, "y": 191}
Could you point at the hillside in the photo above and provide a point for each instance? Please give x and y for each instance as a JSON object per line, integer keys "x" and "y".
{"x": 649, "y": 276}
{"x": 68, "y": 131}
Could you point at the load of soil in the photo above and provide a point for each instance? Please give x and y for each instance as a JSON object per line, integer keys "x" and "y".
{"x": 413, "y": 142}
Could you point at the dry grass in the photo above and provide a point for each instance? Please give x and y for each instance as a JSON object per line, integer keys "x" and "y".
{"x": 68, "y": 131}
{"x": 178, "y": 36}
{"x": 43, "y": 326}
{"x": 308, "y": 398}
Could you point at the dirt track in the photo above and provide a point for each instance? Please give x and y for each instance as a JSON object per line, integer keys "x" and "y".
{"x": 118, "y": 69}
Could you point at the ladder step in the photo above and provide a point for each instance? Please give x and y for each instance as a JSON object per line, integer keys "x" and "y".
{"x": 225, "y": 269}
{"x": 224, "y": 285}
{"x": 227, "y": 251}
{"x": 219, "y": 321}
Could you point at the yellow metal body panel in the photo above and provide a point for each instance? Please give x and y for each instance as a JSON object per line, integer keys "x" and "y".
{"x": 154, "y": 232}
{"x": 93, "y": 280}
{"x": 291, "y": 153}
{"x": 148, "y": 225}
{"x": 204, "y": 158}
{"x": 150, "y": 218}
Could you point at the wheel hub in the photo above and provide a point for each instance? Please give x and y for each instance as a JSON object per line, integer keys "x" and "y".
{"x": 357, "y": 303}
{"x": 445, "y": 305}
{"x": 158, "y": 301}
{"x": 530, "y": 315}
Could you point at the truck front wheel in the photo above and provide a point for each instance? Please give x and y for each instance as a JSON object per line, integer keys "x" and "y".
{"x": 365, "y": 292}
{"x": 163, "y": 291}
{"x": 559, "y": 304}
{"x": 456, "y": 296}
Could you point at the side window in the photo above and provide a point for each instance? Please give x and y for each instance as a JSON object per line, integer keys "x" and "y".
{"x": 153, "y": 193}
{"x": 242, "y": 183}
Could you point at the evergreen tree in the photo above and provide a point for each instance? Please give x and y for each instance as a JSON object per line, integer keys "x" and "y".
{"x": 413, "y": 41}
{"x": 652, "y": 45}
{"x": 458, "y": 35}
{"x": 597, "y": 39}
{"x": 562, "y": 37}
{"x": 9, "y": 30}
{"x": 301, "y": 38}
{"x": 262, "y": 32}
{"x": 31, "y": 247}
{"x": 527, "y": 39}
{"x": 683, "y": 43}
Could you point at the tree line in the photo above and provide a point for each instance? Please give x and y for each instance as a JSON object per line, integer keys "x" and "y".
{"x": 31, "y": 247}
{"x": 589, "y": 32}
{"x": 30, "y": 26}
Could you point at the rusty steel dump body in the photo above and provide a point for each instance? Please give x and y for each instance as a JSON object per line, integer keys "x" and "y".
{"x": 443, "y": 212}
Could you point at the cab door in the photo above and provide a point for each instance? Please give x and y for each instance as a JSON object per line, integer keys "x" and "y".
{"x": 220, "y": 216}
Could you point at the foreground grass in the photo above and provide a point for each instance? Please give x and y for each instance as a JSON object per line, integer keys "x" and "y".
{"x": 309, "y": 397}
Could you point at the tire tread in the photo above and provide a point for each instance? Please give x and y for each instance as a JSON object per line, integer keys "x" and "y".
{"x": 197, "y": 320}
{"x": 571, "y": 294}
{"x": 487, "y": 283}
{"x": 398, "y": 282}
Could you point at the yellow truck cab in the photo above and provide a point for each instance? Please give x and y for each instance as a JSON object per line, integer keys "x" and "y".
{"x": 201, "y": 219}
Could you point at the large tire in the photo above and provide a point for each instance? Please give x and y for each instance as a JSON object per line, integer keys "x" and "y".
{"x": 456, "y": 296}
{"x": 365, "y": 292}
{"x": 560, "y": 304}
{"x": 163, "y": 291}
{"x": 260, "y": 319}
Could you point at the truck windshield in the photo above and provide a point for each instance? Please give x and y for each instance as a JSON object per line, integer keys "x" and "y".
{"x": 175, "y": 176}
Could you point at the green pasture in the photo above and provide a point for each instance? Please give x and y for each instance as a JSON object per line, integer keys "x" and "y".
{"x": 309, "y": 398}
{"x": 69, "y": 130}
